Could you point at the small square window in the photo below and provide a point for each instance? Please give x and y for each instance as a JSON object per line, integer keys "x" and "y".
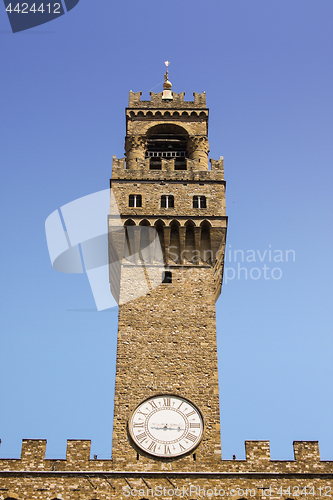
{"x": 167, "y": 201}
{"x": 167, "y": 277}
{"x": 135, "y": 200}
{"x": 199, "y": 202}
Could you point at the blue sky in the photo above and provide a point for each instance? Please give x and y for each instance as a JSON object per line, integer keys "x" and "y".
{"x": 266, "y": 67}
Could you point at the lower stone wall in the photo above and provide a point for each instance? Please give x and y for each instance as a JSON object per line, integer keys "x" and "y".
{"x": 169, "y": 485}
{"x": 80, "y": 478}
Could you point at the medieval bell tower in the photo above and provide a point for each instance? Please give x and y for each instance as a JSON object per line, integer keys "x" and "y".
{"x": 167, "y": 230}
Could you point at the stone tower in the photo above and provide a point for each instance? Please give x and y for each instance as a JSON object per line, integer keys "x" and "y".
{"x": 167, "y": 229}
{"x": 166, "y": 255}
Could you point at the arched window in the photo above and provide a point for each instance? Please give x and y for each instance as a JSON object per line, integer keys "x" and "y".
{"x": 167, "y": 201}
{"x": 174, "y": 248}
{"x": 135, "y": 200}
{"x": 145, "y": 240}
{"x": 189, "y": 242}
{"x": 199, "y": 202}
{"x": 129, "y": 239}
{"x": 205, "y": 244}
{"x": 167, "y": 141}
{"x": 159, "y": 242}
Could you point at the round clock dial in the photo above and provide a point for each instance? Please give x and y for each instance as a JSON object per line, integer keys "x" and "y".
{"x": 166, "y": 426}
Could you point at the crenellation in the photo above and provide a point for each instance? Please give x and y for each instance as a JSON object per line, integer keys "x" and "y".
{"x": 257, "y": 451}
{"x": 33, "y": 450}
{"x": 134, "y": 98}
{"x": 217, "y": 165}
{"x": 78, "y": 450}
{"x": 194, "y": 167}
{"x": 307, "y": 457}
{"x": 177, "y": 100}
{"x": 306, "y": 451}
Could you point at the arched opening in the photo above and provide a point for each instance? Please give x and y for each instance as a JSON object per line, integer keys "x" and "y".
{"x": 190, "y": 254}
{"x": 145, "y": 240}
{"x": 129, "y": 249}
{"x": 159, "y": 242}
{"x": 205, "y": 244}
{"x": 167, "y": 141}
{"x": 174, "y": 248}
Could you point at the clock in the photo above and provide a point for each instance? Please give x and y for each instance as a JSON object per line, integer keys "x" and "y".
{"x": 166, "y": 426}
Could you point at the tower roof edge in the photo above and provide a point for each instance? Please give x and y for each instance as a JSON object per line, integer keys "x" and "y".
{"x": 157, "y": 101}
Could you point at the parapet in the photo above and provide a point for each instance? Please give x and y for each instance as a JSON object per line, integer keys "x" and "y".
{"x": 156, "y": 100}
{"x": 195, "y": 170}
{"x": 257, "y": 450}
{"x": 307, "y": 459}
{"x": 306, "y": 451}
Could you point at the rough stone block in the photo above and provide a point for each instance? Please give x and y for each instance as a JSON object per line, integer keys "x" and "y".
{"x": 257, "y": 450}
{"x": 78, "y": 450}
{"x": 306, "y": 450}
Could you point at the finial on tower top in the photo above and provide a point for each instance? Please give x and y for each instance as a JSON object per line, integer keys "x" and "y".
{"x": 167, "y": 86}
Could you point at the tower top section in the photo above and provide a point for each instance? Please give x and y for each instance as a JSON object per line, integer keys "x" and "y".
{"x": 169, "y": 134}
{"x": 167, "y": 98}
{"x": 158, "y": 101}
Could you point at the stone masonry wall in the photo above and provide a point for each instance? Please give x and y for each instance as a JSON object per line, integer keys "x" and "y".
{"x": 80, "y": 478}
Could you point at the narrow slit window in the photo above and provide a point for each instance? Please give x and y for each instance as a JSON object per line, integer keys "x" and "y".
{"x": 135, "y": 200}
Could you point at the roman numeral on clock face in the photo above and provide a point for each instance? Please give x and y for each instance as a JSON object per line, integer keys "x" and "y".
{"x": 194, "y": 426}
{"x": 167, "y": 450}
{"x": 138, "y": 424}
{"x": 167, "y": 402}
{"x": 144, "y": 414}
{"x": 152, "y": 447}
{"x": 141, "y": 437}
{"x": 191, "y": 437}
{"x": 153, "y": 404}
{"x": 191, "y": 413}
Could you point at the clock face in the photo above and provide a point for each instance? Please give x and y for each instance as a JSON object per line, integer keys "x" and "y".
{"x": 166, "y": 426}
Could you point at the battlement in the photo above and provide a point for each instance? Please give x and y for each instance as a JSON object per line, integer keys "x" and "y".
{"x": 177, "y": 100}
{"x": 306, "y": 453}
{"x": 78, "y": 477}
{"x": 194, "y": 170}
